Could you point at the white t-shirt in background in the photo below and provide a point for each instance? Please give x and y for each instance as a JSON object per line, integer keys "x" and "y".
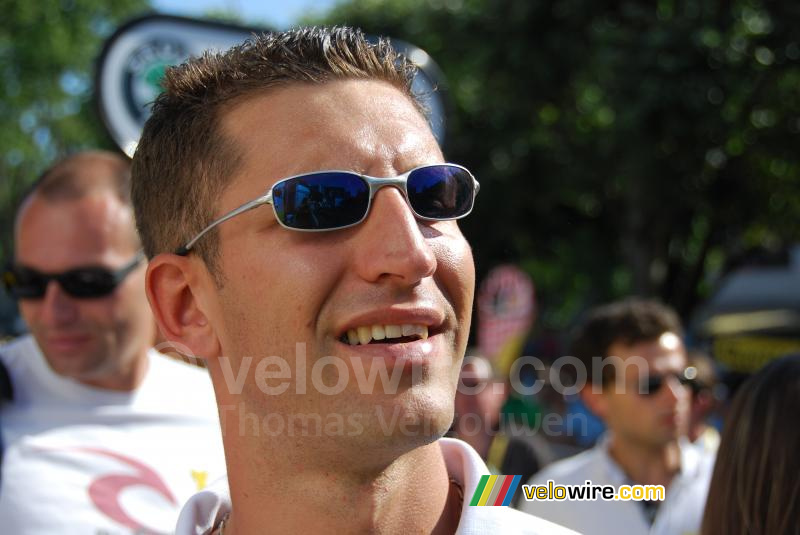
{"x": 89, "y": 461}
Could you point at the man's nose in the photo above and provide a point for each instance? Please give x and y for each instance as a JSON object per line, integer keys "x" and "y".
{"x": 58, "y": 308}
{"x": 674, "y": 390}
{"x": 391, "y": 243}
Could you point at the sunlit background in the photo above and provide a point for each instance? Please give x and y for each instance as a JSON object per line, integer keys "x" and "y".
{"x": 645, "y": 148}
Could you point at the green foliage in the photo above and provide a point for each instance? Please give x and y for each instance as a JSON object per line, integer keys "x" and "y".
{"x": 621, "y": 146}
{"x": 47, "y": 55}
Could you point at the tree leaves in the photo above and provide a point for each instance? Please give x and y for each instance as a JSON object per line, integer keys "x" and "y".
{"x": 622, "y": 147}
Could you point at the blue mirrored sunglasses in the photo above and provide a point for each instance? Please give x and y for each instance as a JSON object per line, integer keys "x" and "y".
{"x": 332, "y": 200}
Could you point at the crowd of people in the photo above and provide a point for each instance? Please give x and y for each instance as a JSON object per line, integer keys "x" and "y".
{"x": 333, "y": 342}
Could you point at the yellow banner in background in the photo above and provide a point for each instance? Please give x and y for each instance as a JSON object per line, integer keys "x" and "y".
{"x": 747, "y": 354}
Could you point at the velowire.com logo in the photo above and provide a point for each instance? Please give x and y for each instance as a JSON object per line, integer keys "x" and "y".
{"x": 495, "y": 490}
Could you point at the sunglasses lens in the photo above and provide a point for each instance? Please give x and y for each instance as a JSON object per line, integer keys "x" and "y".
{"x": 89, "y": 282}
{"x": 653, "y": 385}
{"x": 321, "y": 201}
{"x": 441, "y": 191}
{"x": 25, "y": 284}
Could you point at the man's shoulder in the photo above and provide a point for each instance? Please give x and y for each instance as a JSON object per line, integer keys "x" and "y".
{"x": 21, "y": 361}
{"x": 167, "y": 368}
{"x": 12, "y": 358}
{"x": 507, "y": 520}
{"x": 571, "y": 468}
{"x": 167, "y": 376}
{"x": 17, "y": 351}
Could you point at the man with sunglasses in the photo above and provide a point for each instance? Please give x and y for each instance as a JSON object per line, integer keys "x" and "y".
{"x": 301, "y": 224}
{"x": 103, "y": 434}
{"x": 638, "y": 382}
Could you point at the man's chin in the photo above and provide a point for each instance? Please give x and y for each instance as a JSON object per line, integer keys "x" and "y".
{"x": 72, "y": 366}
{"x": 410, "y": 425}
{"x": 65, "y": 365}
{"x": 661, "y": 440}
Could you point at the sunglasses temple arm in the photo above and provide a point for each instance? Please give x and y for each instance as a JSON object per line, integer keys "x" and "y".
{"x": 264, "y": 199}
{"x": 133, "y": 264}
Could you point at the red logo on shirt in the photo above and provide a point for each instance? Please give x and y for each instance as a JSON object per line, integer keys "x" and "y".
{"x": 105, "y": 490}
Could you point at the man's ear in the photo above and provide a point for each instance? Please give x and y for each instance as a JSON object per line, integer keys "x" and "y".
{"x": 172, "y": 284}
{"x": 595, "y": 401}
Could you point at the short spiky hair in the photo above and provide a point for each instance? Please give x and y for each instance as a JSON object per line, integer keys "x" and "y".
{"x": 183, "y": 162}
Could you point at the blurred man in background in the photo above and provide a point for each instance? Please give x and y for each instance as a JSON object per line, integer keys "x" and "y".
{"x": 509, "y": 443}
{"x": 638, "y": 383}
{"x": 704, "y": 403}
{"x": 102, "y": 433}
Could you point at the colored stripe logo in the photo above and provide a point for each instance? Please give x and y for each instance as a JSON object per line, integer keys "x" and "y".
{"x": 495, "y": 490}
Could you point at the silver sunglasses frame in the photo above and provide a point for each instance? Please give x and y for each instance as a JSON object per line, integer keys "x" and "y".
{"x": 374, "y": 183}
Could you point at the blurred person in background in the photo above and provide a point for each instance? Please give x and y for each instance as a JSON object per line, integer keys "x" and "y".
{"x": 478, "y": 402}
{"x": 636, "y": 371}
{"x": 704, "y": 403}
{"x": 755, "y": 488}
{"x": 509, "y": 443}
{"x": 102, "y": 434}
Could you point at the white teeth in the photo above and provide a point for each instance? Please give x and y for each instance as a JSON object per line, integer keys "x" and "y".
{"x": 421, "y": 330}
{"x": 378, "y": 332}
{"x": 394, "y": 331}
{"x": 352, "y": 337}
{"x": 364, "y": 335}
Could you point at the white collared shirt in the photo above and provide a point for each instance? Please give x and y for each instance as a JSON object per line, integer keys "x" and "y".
{"x": 681, "y": 513}
{"x": 206, "y": 509}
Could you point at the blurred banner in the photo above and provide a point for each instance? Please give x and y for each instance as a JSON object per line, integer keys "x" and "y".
{"x": 134, "y": 59}
{"x": 748, "y": 354}
{"x": 506, "y": 312}
{"x": 752, "y": 318}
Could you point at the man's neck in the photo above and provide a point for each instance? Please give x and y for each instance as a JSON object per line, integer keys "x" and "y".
{"x": 126, "y": 379}
{"x": 412, "y": 494}
{"x": 645, "y": 464}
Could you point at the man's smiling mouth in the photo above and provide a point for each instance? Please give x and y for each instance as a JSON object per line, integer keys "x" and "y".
{"x": 385, "y": 334}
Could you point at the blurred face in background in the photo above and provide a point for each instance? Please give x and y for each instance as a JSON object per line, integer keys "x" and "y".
{"x": 648, "y": 419}
{"x": 98, "y": 341}
{"x": 481, "y": 394}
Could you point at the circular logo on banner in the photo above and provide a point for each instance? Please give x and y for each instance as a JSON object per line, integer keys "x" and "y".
{"x": 134, "y": 59}
{"x": 144, "y": 70}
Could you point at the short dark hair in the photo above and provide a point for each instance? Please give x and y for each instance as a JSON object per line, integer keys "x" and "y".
{"x": 626, "y": 322}
{"x": 183, "y": 162}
